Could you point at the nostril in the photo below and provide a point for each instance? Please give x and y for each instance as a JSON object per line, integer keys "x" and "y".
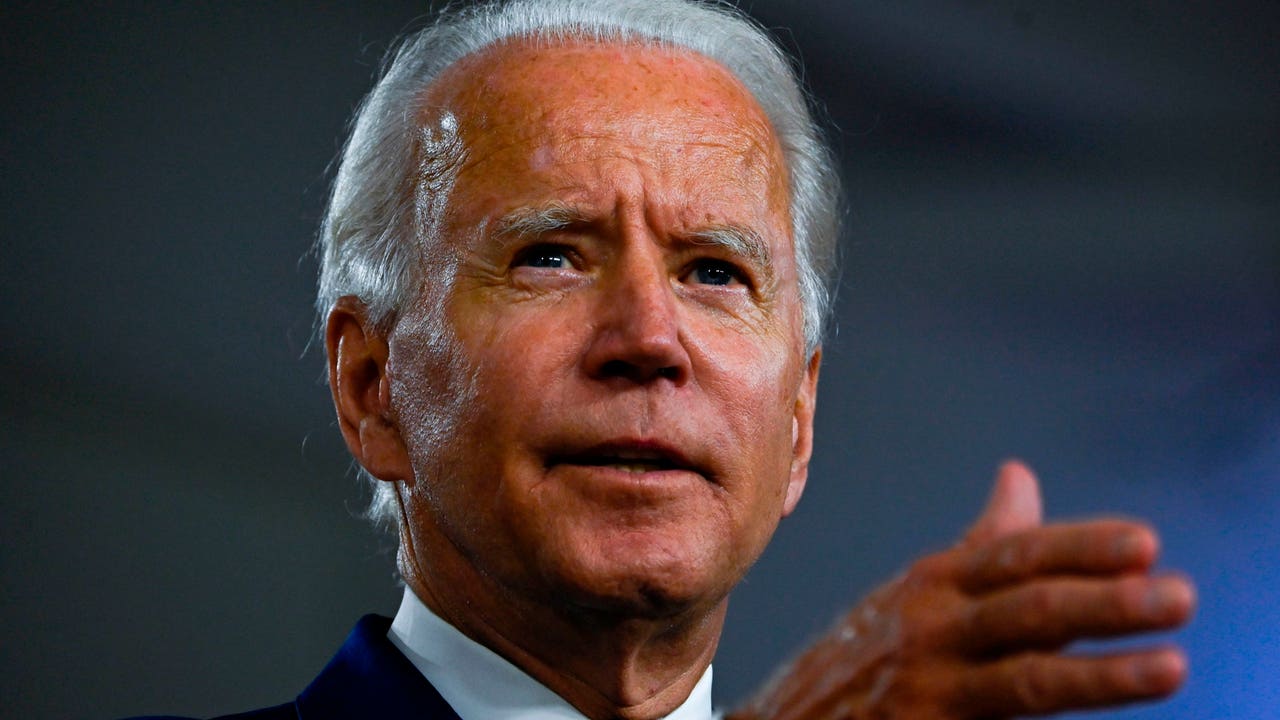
{"x": 617, "y": 368}
{"x": 622, "y": 369}
{"x": 638, "y": 372}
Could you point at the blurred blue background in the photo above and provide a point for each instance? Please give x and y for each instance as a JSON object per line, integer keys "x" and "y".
{"x": 1063, "y": 244}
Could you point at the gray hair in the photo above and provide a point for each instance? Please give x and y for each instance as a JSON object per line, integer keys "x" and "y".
{"x": 374, "y": 232}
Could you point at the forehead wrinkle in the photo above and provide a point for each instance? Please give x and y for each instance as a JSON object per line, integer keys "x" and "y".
{"x": 508, "y": 126}
{"x": 542, "y": 153}
{"x": 479, "y": 84}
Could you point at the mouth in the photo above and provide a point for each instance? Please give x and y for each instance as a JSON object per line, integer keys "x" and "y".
{"x": 632, "y": 457}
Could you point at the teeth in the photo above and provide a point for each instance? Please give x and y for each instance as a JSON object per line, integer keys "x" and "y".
{"x": 635, "y": 467}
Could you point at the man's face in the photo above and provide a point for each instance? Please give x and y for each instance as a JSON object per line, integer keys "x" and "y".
{"x": 603, "y": 390}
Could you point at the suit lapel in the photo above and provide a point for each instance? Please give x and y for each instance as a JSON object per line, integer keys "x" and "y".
{"x": 370, "y": 678}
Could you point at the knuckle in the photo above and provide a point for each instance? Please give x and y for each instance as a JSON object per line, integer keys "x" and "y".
{"x": 1016, "y": 557}
{"x": 1005, "y": 561}
{"x": 929, "y": 569}
{"x": 1033, "y": 685}
{"x": 1131, "y": 600}
{"x": 897, "y": 694}
{"x": 1041, "y": 602}
{"x": 918, "y": 638}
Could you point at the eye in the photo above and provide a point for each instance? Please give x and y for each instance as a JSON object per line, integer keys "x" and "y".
{"x": 543, "y": 256}
{"x": 709, "y": 271}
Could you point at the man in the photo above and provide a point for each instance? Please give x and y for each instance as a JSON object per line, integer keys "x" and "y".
{"x": 575, "y": 271}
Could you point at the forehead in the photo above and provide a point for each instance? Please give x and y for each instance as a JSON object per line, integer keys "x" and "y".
{"x": 543, "y": 74}
{"x": 534, "y": 107}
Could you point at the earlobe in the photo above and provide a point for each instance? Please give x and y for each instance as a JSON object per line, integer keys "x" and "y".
{"x": 361, "y": 391}
{"x": 802, "y": 433}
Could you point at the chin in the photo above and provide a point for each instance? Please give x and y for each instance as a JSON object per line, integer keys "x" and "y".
{"x": 643, "y": 578}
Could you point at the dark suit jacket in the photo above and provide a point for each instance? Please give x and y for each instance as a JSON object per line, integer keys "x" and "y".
{"x": 368, "y": 678}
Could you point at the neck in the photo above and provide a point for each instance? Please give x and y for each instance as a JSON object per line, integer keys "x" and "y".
{"x": 607, "y": 664}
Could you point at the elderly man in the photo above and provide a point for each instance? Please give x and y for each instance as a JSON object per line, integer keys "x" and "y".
{"x": 575, "y": 272}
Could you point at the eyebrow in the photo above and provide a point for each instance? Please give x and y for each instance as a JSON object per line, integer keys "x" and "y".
{"x": 528, "y": 222}
{"x": 738, "y": 240}
{"x": 535, "y": 221}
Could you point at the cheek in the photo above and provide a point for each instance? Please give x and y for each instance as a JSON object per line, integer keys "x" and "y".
{"x": 433, "y": 394}
{"x": 520, "y": 349}
{"x": 469, "y": 387}
{"x": 757, "y": 386}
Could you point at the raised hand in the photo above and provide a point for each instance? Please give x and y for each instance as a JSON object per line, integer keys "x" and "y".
{"x": 981, "y": 630}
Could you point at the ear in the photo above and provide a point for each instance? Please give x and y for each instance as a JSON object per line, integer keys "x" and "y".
{"x": 362, "y": 391}
{"x": 802, "y": 432}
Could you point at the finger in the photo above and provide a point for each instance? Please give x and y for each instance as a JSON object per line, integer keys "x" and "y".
{"x": 1098, "y": 547}
{"x": 1014, "y": 505}
{"x": 1039, "y": 684}
{"x": 1053, "y": 613}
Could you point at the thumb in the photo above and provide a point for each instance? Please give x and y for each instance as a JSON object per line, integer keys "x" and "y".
{"x": 1014, "y": 505}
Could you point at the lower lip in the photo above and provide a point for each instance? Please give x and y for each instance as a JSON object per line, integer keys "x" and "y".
{"x": 658, "y": 481}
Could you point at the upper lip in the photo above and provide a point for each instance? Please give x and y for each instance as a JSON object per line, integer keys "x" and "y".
{"x": 657, "y": 452}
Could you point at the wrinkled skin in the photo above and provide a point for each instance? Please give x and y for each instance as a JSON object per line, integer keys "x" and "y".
{"x": 979, "y": 630}
{"x": 599, "y": 406}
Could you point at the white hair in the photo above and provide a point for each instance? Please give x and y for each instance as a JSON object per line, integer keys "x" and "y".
{"x": 394, "y": 172}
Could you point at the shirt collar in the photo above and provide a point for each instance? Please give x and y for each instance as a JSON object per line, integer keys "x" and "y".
{"x": 481, "y": 685}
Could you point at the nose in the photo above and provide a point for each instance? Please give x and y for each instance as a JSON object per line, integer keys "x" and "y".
{"x": 637, "y": 335}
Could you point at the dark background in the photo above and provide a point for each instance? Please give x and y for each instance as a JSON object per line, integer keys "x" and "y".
{"x": 1062, "y": 244}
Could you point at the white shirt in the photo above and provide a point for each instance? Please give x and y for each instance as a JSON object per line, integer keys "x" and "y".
{"x": 481, "y": 685}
